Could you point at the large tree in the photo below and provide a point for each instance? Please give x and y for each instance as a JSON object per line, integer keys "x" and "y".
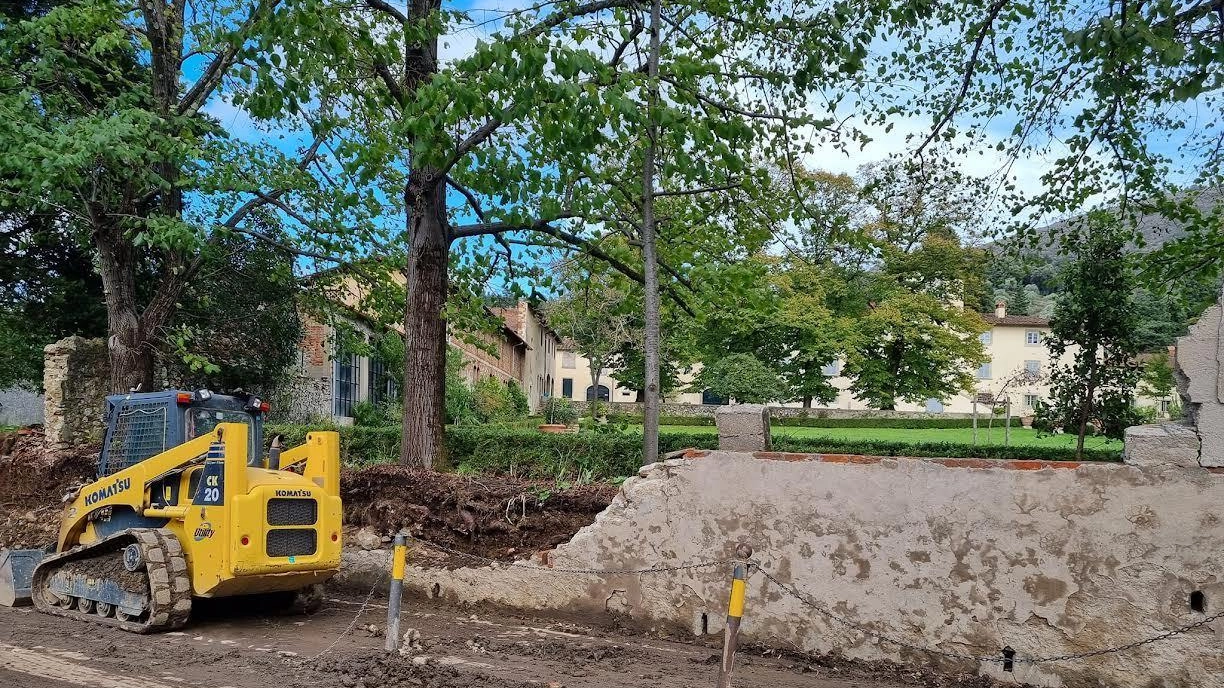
{"x": 1094, "y": 326}
{"x": 103, "y": 122}
{"x": 546, "y": 122}
{"x": 594, "y": 315}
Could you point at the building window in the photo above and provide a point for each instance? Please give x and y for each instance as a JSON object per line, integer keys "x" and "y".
{"x": 567, "y": 387}
{"x": 1032, "y": 368}
{"x": 711, "y": 399}
{"x": 832, "y": 369}
{"x": 1030, "y": 400}
{"x": 380, "y": 388}
{"x": 1032, "y": 337}
{"x": 984, "y": 372}
{"x": 346, "y": 381}
{"x": 603, "y": 392}
{"x": 987, "y": 337}
{"x": 568, "y": 359}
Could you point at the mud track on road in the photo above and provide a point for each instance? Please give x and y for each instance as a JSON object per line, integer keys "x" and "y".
{"x": 231, "y": 646}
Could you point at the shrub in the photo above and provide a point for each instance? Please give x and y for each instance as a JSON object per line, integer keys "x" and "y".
{"x": 518, "y": 399}
{"x": 495, "y": 401}
{"x": 904, "y": 423}
{"x": 376, "y": 415}
{"x": 559, "y": 410}
{"x": 830, "y": 445}
{"x": 821, "y": 422}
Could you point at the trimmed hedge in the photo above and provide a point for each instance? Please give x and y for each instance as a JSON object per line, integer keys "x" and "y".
{"x": 599, "y": 455}
{"x": 816, "y": 422}
{"x": 952, "y": 450}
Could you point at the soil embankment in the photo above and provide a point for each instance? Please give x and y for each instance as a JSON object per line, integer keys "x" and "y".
{"x": 494, "y": 516}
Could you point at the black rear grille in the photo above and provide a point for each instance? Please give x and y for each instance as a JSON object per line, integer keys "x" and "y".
{"x": 292, "y": 512}
{"x": 291, "y": 542}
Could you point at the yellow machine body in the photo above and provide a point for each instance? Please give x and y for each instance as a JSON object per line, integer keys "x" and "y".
{"x": 243, "y": 529}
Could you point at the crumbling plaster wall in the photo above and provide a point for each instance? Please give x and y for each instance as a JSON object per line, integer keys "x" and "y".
{"x": 966, "y": 556}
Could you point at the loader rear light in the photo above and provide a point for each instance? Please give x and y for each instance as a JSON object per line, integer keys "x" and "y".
{"x": 335, "y": 537}
{"x": 245, "y": 541}
{"x": 265, "y": 407}
{"x": 183, "y": 398}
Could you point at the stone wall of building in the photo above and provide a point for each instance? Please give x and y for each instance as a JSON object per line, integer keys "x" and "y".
{"x": 76, "y": 378}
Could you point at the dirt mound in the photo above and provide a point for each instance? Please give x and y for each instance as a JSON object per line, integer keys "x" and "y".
{"x": 492, "y": 516}
{"x": 32, "y": 486}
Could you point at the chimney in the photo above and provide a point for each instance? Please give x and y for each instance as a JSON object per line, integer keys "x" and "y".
{"x": 1000, "y": 309}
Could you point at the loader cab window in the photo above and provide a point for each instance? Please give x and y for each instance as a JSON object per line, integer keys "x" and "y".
{"x": 201, "y": 421}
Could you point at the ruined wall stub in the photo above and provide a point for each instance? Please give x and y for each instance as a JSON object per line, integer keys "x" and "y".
{"x": 76, "y": 377}
{"x": 1198, "y": 369}
{"x": 1200, "y": 382}
{"x": 743, "y": 427}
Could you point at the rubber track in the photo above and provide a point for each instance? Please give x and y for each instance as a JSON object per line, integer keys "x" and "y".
{"x": 165, "y": 572}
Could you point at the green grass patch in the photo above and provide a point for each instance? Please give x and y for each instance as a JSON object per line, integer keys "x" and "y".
{"x": 588, "y": 456}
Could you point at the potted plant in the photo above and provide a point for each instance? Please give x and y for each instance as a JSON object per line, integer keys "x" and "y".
{"x": 558, "y": 414}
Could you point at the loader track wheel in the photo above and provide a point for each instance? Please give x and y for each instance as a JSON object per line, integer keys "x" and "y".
{"x": 135, "y": 579}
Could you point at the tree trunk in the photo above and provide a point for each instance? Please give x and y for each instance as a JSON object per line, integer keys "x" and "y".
{"x": 593, "y": 402}
{"x": 423, "y": 442}
{"x": 128, "y": 346}
{"x": 650, "y": 267}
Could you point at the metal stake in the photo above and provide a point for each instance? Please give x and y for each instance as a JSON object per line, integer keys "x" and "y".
{"x": 735, "y": 611}
{"x": 399, "y": 557}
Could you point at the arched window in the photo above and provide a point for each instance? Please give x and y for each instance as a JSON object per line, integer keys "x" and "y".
{"x": 604, "y": 393}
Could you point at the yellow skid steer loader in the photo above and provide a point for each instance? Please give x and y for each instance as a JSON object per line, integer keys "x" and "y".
{"x": 186, "y": 505}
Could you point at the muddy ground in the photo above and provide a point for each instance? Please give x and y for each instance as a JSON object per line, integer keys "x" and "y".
{"x": 340, "y": 647}
{"x": 336, "y": 648}
{"x": 502, "y": 518}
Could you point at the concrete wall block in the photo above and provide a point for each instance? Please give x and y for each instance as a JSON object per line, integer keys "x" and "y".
{"x": 958, "y": 559}
{"x": 743, "y": 427}
{"x": 1161, "y": 444}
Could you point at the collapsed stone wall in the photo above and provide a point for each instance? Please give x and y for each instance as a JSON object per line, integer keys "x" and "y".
{"x": 76, "y": 378}
{"x": 961, "y": 555}
{"x": 1199, "y": 371}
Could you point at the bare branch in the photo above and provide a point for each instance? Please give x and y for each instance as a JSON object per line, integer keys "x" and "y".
{"x": 472, "y": 201}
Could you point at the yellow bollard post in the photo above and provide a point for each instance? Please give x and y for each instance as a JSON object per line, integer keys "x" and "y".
{"x": 399, "y": 559}
{"x": 735, "y": 612}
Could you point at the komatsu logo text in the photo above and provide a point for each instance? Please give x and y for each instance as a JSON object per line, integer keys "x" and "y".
{"x": 293, "y": 493}
{"x": 108, "y": 491}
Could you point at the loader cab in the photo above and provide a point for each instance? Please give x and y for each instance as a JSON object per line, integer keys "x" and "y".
{"x": 142, "y": 425}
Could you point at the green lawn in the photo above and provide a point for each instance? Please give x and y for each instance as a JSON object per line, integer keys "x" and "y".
{"x": 1019, "y": 436}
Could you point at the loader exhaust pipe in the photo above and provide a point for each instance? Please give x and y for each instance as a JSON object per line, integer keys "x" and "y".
{"x": 274, "y": 453}
{"x": 16, "y": 575}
